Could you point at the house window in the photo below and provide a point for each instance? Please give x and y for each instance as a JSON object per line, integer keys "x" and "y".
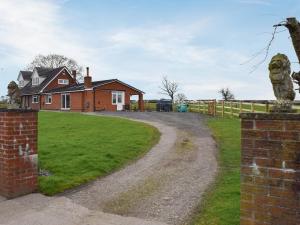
{"x": 117, "y": 97}
{"x": 21, "y": 83}
{"x": 35, "y": 99}
{"x": 63, "y": 81}
{"x": 35, "y": 81}
{"x": 48, "y": 99}
{"x": 65, "y": 101}
{"x": 114, "y": 98}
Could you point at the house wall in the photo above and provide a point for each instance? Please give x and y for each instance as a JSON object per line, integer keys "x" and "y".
{"x": 62, "y": 75}
{"x": 76, "y": 101}
{"x": 35, "y": 106}
{"x": 103, "y": 96}
{"x": 55, "y": 105}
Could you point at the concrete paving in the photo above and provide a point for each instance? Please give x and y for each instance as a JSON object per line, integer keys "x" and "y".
{"x": 36, "y": 209}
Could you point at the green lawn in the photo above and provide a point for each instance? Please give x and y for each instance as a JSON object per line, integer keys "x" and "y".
{"x": 222, "y": 204}
{"x": 78, "y": 148}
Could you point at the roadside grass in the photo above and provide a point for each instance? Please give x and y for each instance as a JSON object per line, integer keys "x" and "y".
{"x": 221, "y": 205}
{"x": 3, "y": 105}
{"x": 77, "y": 148}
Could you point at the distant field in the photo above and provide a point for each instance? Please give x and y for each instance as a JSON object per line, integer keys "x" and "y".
{"x": 77, "y": 148}
{"x": 2, "y": 105}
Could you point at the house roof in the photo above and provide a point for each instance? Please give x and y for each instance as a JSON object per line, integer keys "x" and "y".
{"x": 26, "y": 74}
{"x": 80, "y": 87}
{"x": 48, "y": 73}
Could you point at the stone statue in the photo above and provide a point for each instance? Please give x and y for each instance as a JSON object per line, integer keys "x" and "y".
{"x": 14, "y": 100}
{"x": 280, "y": 70}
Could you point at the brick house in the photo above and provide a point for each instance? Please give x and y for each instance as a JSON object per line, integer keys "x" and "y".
{"x": 58, "y": 89}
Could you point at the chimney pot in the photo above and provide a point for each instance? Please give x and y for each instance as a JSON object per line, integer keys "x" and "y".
{"x": 88, "y": 71}
{"x": 87, "y": 79}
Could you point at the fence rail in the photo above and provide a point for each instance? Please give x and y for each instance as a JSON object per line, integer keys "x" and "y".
{"x": 232, "y": 108}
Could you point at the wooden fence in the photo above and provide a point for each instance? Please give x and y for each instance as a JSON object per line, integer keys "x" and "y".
{"x": 232, "y": 108}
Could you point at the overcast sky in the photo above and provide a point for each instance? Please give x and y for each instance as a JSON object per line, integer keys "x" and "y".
{"x": 200, "y": 44}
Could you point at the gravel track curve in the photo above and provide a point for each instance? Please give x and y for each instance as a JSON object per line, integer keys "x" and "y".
{"x": 168, "y": 183}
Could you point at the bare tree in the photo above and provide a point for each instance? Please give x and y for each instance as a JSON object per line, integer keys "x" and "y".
{"x": 169, "y": 88}
{"x": 226, "y": 94}
{"x": 54, "y": 61}
{"x": 180, "y": 98}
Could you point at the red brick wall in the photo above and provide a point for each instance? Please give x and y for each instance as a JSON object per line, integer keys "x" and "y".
{"x": 77, "y": 101}
{"x": 88, "y": 101}
{"x": 55, "y": 105}
{"x": 103, "y": 100}
{"x": 18, "y": 131}
{"x": 270, "y": 171}
{"x": 103, "y": 96}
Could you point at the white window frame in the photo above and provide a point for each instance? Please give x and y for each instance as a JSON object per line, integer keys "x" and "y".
{"x": 35, "y": 99}
{"x": 63, "y": 81}
{"x": 65, "y": 97}
{"x": 120, "y": 104}
{"x": 48, "y": 99}
{"x": 35, "y": 81}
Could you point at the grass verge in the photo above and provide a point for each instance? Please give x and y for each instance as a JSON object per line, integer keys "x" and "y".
{"x": 221, "y": 205}
{"x": 77, "y": 148}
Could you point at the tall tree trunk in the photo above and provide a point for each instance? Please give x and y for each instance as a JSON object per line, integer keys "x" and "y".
{"x": 294, "y": 28}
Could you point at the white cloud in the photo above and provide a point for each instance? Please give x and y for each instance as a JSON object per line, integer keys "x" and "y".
{"x": 31, "y": 27}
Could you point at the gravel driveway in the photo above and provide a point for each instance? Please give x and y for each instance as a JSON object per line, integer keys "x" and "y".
{"x": 167, "y": 184}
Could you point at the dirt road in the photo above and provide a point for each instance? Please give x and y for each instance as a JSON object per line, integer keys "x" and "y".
{"x": 167, "y": 184}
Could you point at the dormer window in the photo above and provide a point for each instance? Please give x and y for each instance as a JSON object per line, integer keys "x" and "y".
{"x": 21, "y": 83}
{"x": 63, "y": 81}
{"x": 35, "y": 81}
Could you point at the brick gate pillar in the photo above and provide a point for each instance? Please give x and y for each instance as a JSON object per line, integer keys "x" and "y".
{"x": 141, "y": 103}
{"x": 270, "y": 170}
{"x": 18, "y": 152}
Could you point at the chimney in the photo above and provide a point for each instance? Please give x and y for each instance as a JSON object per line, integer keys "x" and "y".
{"x": 74, "y": 74}
{"x": 87, "y": 79}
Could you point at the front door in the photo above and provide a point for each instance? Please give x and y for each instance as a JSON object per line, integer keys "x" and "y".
{"x": 65, "y": 101}
{"x": 118, "y": 99}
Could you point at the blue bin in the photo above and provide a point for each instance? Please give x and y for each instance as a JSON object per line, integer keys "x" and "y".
{"x": 182, "y": 108}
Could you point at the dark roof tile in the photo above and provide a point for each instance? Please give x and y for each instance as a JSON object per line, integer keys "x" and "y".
{"x": 48, "y": 73}
{"x": 26, "y": 74}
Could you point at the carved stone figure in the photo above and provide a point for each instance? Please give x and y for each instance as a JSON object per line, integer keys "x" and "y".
{"x": 14, "y": 95}
{"x": 280, "y": 70}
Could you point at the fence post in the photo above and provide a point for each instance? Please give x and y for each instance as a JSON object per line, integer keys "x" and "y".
{"x": 267, "y": 107}
{"x": 231, "y": 109}
{"x": 223, "y": 107}
{"x": 252, "y": 107}
{"x": 241, "y": 106}
{"x": 215, "y": 107}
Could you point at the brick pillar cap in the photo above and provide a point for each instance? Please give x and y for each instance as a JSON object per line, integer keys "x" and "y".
{"x": 270, "y": 116}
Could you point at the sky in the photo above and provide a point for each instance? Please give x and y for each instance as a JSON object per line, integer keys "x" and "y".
{"x": 200, "y": 44}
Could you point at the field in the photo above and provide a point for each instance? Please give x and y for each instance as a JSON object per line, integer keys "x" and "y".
{"x": 77, "y": 148}
{"x": 222, "y": 203}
